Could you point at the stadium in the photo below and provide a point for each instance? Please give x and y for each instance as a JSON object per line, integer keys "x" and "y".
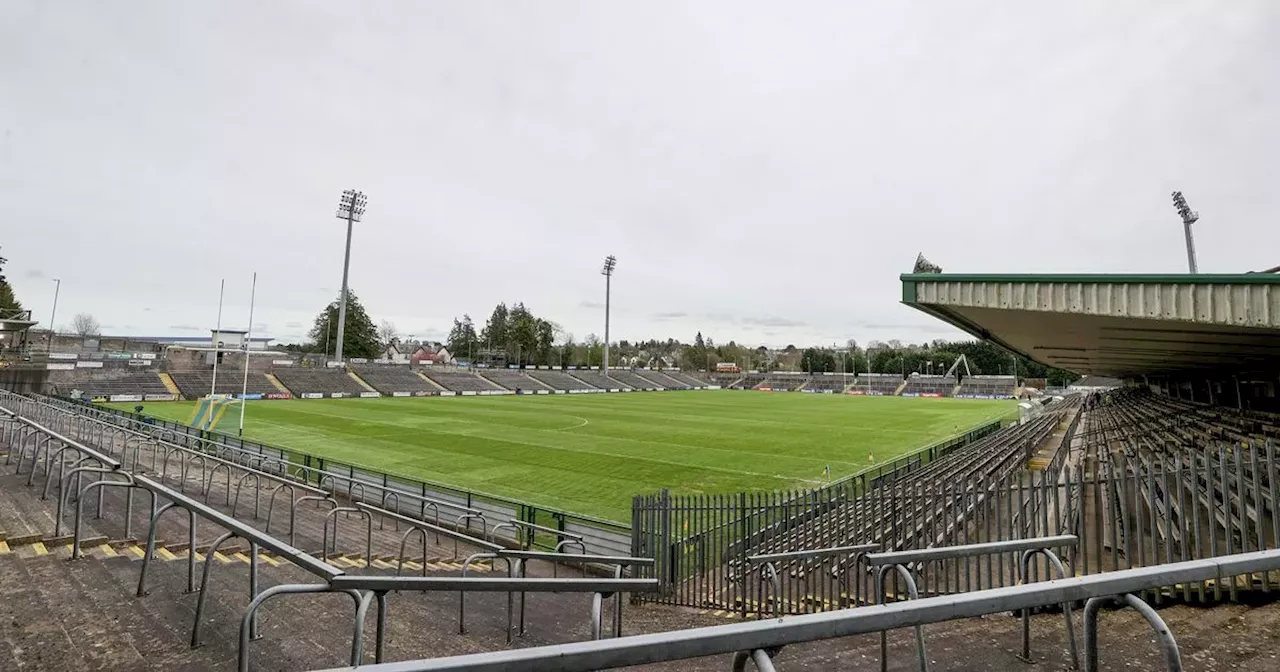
{"x": 1151, "y": 479}
{"x": 1024, "y": 467}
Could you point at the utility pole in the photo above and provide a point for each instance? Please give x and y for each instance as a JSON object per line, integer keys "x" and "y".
{"x": 350, "y": 208}
{"x": 610, "y": 263}
{"x": 1189, "y": 217}
{"x": 57, "y": 288}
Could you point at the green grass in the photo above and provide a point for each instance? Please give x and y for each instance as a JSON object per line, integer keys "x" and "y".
{"x": 588, "y": 454}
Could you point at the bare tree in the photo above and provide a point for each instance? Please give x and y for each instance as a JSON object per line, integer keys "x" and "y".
{"x": 388, "y": 334}
{"x": 83, "y": 324}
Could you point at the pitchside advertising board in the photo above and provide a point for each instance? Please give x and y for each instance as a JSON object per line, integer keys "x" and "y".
{"x": 159, "y": 397}
{"x": 63, "y": 355}
{"x": 126, "y": 397}
{"x": 399, "y": 394}
{"x": 65, "y": 366}
{"x": 279, "y": 395}
{"x": 88, "y": 365}
{"x": 311, "y": 395}
{"x": 139, "y": 362}
{"x": 337, "y": 395}
{"x": 366, "y": 395}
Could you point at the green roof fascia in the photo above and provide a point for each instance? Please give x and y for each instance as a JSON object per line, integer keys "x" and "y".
{"x": 1097, "y": 278}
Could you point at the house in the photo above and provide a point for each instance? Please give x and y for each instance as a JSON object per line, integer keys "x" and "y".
{"x": 429, "y": 355}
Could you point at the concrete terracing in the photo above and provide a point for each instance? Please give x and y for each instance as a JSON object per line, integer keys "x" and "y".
{"x": 57, "y": 614}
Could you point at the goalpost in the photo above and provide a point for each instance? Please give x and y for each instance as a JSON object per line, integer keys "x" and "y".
{"x": 210, "y": 410}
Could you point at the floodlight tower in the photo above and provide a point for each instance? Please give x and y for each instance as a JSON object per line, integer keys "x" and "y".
{"x": 610, "y": 263}
{"x": 1188, "y": 218}
{"x": 350, "y": 208}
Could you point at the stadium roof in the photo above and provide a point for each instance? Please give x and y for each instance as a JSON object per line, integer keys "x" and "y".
{"x": 1115, "y": 325}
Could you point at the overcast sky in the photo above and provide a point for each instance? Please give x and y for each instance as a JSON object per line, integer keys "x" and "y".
{"x": 763, "y": 171}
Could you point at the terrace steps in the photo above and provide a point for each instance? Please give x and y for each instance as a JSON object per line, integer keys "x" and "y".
{"x": 360, "y": 381}
{"x": 169, "y": 384}
{"x": 431, "y": 383}
{"x": 275, "y": 382}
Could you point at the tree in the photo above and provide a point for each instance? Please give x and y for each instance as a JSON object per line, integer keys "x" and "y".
{"x": 388, "y": 335}
{"x": 359, "y": 337}
{"x": 8, "y": 302}
{"x": 462, "y": 338}
{"x": 494, "y": 334}
{"x": 83, "y": 324}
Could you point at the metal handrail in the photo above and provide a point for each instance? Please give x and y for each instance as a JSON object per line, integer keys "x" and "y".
{"x": 286, "y": 552}
{"x": 490, "y": 584}
{"x": 776, "y": 633}
{"x": 576, "y": 559}
{"x": 424, "y": 525}
{"x": 813, "y": 553}
{"x": 104, "y": 459}
{"x": 968, "y": 550}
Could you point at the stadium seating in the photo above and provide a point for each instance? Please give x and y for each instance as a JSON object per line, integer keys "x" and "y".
{"x": 327, "y": 382}
{"x": 512, "y": 379}
{"x": 781, "y": 382}
{"x": 987, "y": 386}
{"x": 460, "y": 381}
{"x": 557, "y": 380}
{"x": 392, "y": 379}
{"x": 929, "y": 386}
{"x": 133, "y": 384}
{"x": 830, "y": 383}
{"x": 750, "y": 380}
{"x": 631, "y": 380}
{"x": 878, "y": 383}
{"x": 597, "y": 378}
{"x": 686, "y": 378}
{"x": 660, "y": 379}
{"x": 197, "y": 384}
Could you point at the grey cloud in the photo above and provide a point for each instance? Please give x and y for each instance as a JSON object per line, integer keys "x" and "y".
{"x": 184, "y": 327}
{"x": 773, "y": 322}
{"x": 34, "y": 273}
{"x": 292, "y": 325}
{"x": 799, "y": 218}
{"x": 662, "y": 317}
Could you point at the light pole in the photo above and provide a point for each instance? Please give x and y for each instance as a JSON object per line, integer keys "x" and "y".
{"x": 610, "y": 263}
{"x": 1188, "y": 218}
{"x": 350, "y": 208}
{"x": 53, "y": 314}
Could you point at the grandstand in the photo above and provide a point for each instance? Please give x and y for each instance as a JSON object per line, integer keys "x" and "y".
{"x": 820, "y": 383}
{"x": 782, "y": 382}
{"x": 661, "y": 380}
{"x": 561, "y": 380}
{"x": 597, "y": 378}
{"x": 393, "y": 380}
{"x": 313, "y": 383}
{"x": 987, "y": 387}
{"x": 138, "y": 385}
{"x": 688, "y": 379}
{"x": 196, "y": 384}
{"x": 877, "y": 384}
{"x": 460, "y": 381}
{"x": 512, "y": 379}
{"x": 631, "y": 380}
{"x": 928, "y": 386}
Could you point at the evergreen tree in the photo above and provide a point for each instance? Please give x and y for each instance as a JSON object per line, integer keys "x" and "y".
{"x": 8, "y": 302}
{"x": 359, "y": 337}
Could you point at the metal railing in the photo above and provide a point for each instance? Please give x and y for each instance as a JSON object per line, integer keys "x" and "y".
{"x": 37, "y": 444}
{"x": 909, "y": 564}
{"x": 761, "y": 640}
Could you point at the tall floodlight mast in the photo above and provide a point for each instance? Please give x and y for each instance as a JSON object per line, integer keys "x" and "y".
{"x": 610, "y": 263}
{"x": 350, "y": 208}
{"x": 1189, "y": 217}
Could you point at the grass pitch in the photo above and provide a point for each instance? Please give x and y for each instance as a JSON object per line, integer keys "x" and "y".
{"x": 588, "y": 454}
